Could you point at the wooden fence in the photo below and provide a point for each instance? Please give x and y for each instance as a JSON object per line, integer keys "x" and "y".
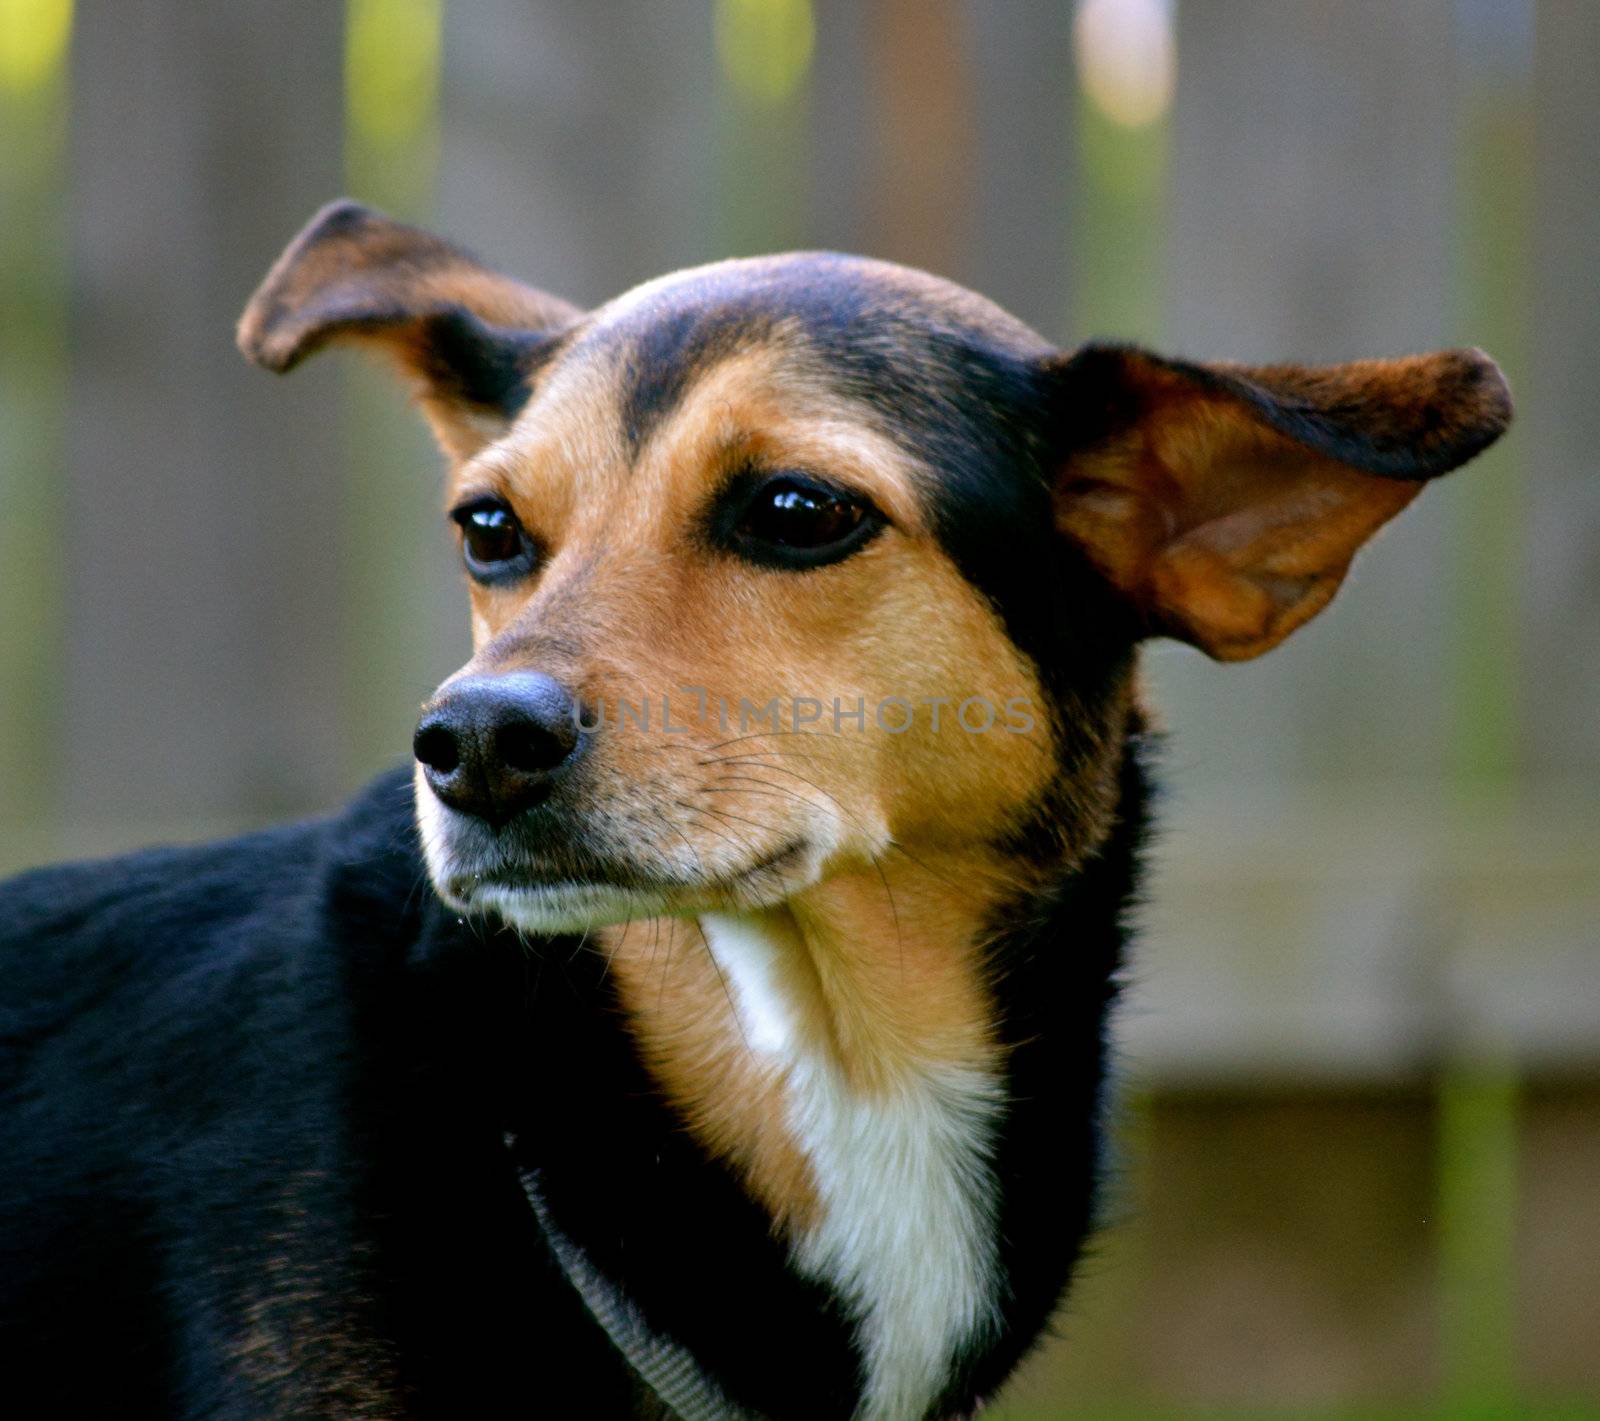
{"x": 225, "y": 595}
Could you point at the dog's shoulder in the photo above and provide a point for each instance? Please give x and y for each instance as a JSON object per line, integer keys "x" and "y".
{"x": 166, "y": 902}
{"x": 168, "y": 961}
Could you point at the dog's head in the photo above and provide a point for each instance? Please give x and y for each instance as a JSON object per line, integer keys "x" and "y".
{"x": 778, "y": 562}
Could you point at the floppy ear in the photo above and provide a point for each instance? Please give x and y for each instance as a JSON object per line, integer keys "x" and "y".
{"x": 468, "y": 339}
{"x": 1226, "y": 501}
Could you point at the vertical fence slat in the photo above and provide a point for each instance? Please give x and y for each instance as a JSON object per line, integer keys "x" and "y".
{"x": 1121, "y": 169}
{"x": 1559, "y": 592}
{"x": 764, "y": 50}
{"x": 201, "y": 654}
{"x": 1492, "y": 278}
{"x": 1312, "y": 212}
{"x": 922, "y": 124}
{"x": 1022, "y": 191}
{"x": 580, "y": 152}
{"x": 34, "y": 40}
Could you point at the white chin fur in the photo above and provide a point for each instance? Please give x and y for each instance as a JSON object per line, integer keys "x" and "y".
{"x": 575, "y": 907}
{"x": 548, "y": 908}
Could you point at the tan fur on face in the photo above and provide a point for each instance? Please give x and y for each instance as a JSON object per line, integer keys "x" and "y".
{"x": 633, "y": 605}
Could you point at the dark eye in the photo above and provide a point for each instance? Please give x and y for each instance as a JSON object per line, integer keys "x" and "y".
{"x": 793, "y": 522}
{"x": 493, "y": 543}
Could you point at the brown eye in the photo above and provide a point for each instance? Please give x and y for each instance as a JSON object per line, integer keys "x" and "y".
{"x": 793, "y": 522}
{"x": 493, "y": 543}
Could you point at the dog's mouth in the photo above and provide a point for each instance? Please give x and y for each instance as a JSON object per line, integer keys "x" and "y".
{"x": 580, "y": 891}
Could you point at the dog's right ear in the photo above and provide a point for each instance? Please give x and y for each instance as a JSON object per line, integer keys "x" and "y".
{"x": 468, "y": 339}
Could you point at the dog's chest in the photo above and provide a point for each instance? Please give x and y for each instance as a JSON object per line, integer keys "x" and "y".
{"x": 902, "y": 1226}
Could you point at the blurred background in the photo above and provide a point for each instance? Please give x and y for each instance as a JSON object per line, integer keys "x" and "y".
{"x": 1360, "y": 1164}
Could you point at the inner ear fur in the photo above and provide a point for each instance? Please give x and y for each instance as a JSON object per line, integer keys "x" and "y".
{"x": 468, "y": 339}
{"x": 1226, "y": 501}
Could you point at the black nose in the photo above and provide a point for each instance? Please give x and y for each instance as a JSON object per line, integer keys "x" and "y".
{"x": 490, "y": 746}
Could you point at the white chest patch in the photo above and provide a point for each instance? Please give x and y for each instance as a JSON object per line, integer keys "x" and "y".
{"x": 906, "y": 1234}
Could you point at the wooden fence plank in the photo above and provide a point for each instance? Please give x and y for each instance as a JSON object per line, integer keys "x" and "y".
{"x": 1312, "y": 217}
{"x": 1022, "y": 190}
{"x": 1559, "y": 625}
{"x": 580, "y": 142}
{"x": 33, "y": 421}
{"x": 202, "y": 528}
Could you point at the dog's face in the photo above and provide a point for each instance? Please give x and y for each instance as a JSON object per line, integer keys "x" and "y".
{"x": 777, "y": 563}
{"x": 732, "y": 571}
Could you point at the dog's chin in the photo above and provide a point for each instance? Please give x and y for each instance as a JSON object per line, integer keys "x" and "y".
{"x": 548, "y": 906}
{"x": 546, "y": 909}
{"x": 536, "y": 893}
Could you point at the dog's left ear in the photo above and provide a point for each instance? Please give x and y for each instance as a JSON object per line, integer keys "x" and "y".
{"x": 1226, "y": 502}
{"x": 467, "y": 338}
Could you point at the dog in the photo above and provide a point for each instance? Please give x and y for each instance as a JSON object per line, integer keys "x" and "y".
{"x": 711, "y": 1023}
